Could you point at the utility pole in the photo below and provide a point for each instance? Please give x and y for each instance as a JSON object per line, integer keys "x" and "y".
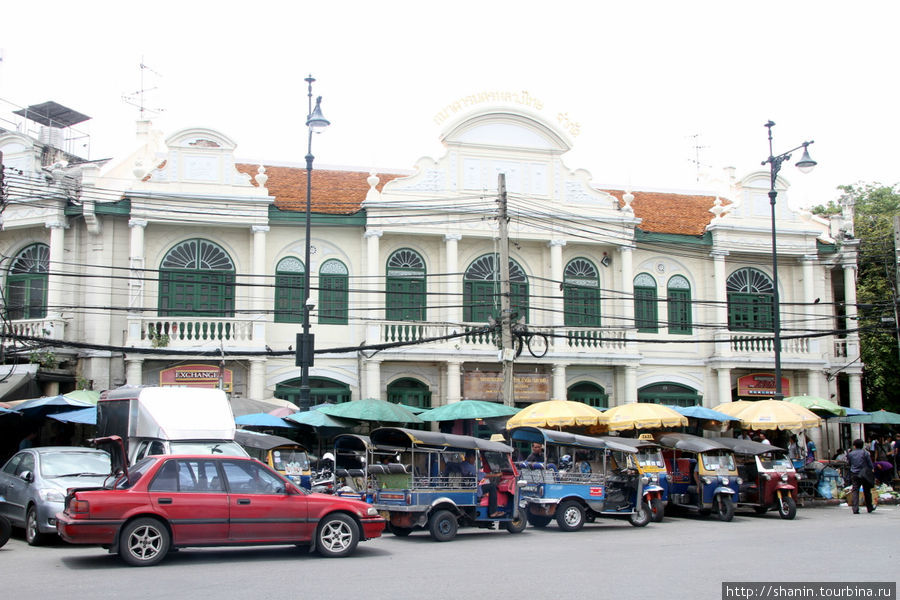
{"x": 896, "y": 277}
{"x": 506, "y": 352}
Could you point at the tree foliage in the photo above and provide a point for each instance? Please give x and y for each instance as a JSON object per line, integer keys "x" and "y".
{"x": 875, "y": 208}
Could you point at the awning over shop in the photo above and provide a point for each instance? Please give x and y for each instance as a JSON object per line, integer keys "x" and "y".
{"x": 13, "y": 377}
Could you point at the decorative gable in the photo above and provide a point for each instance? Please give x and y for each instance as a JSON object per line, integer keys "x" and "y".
{"x": 201, "y": 156}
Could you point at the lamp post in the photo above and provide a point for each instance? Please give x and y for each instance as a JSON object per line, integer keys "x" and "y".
{"x": 315, "y": 123}
{"x": 805, "y": 164}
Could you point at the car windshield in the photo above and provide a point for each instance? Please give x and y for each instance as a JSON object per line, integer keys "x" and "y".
{"x": 650, "y": 457}
{"x": 73, "y": 464}
{"x": 718, "y": 461}
{"x": 292, "y": 462}
{"x": 217, "y": 448}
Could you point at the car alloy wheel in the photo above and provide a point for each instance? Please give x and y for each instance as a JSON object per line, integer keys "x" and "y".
{"x": 337, "y": 536}
{"x": 144, "y": 542}
{"x": 33, "y": 534}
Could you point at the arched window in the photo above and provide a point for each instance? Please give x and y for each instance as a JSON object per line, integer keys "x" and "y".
{"x": 581, "y": 294}
{"x": 481, "y": 290}
{"x": 588, "y": 393}
{"x": 409, "y": 392}
{"x": 196, "y": 278}
{"x": 321, "y": 390}
{"x": 333, "y": 292}
{"x": 678, "y": 293}
{"x": 645, "y": 310}
{"x": 290, "y": 282}
{"x": 750, "y": 300}
{"x": 673, "y": 394}
{"x": 405, "y": 286}
{"x": 26, "y": 283}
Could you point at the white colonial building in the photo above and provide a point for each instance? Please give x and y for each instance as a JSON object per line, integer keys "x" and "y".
{"x": 181, "y": 264}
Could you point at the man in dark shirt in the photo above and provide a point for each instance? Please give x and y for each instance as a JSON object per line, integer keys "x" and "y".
{"x": 861, "y": 469}
{"x": 537, "y": 453}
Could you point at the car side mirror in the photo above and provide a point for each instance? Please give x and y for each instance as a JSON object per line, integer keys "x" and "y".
{"x": 26, "y": 476}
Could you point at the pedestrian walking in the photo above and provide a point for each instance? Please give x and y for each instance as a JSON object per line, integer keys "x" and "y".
{"x": 862, "y": 475}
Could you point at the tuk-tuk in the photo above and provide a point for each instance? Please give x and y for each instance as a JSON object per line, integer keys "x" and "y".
{"x": 447, "y": 481}
{"x": 285, "y": 456}
{"x": 703, "y": 472}
{"x": 653, "y": 467}
{"x": 769, "y": 477}
{"x": 581, "y": 478}
{"x": 357, "y": 461}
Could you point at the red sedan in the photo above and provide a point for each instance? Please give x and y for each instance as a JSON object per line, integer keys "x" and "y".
{"x": 166, "y": 502}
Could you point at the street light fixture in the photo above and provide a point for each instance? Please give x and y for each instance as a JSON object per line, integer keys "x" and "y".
{"x": 315, "y": 123}
{"x": 805, "y": 164}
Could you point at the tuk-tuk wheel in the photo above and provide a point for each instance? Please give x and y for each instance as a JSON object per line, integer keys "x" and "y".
{"x": 787, "y": 508}
{"x": 724, "y": 507}
{"x": 518, "y": 523}
{"x": 443, "y": 526}
{"x": 657, "y": 510}
{"x": 539, "y": 521}
{"x": 570, "y": 516}
{"x": 641, "y": 516}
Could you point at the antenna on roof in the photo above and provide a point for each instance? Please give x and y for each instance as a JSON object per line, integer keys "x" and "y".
{"x": 137, "y": 98}
{"x": 697, "y": 148}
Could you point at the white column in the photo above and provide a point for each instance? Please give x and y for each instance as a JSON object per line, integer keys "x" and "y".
{"x": 256, "y": 386}
{"x": 453, "y": 385}
{"x": 855, "y": 381}
{"x": 723, "y": 379}
{"x": 373, "y": 379}
{"x": 453, "y": 280}
{"x": 136, "y": 279}
{"x": 97, "y": 326}
{"x": 134, "y": 371}
{"x": 559, "y": 382}
{"x": 557, "y": 306}
{"x": 626, "y": 287}
{"x": 56, "y": 283}
{"x": 720, "y": 293}
{"x": 257, "y": 281}
{"x": 813, "y": 384}
{"x": 631, "y": 395}
{"x": 374, "y": 300}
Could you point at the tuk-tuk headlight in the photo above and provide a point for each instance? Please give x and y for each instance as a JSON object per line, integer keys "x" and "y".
{"x": 740, "y": 481}
{"x": 784, "y": 477}
{"x": 766, "y": 476}
{"x": 645, "y": 480}
{"x": 724, "y": 481}
{"x": 706, "y": 481}
{"x": 654, "y": 478}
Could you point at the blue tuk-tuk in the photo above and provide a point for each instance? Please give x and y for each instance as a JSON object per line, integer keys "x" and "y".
{"x": 703, "y": 472}
{"x": 653, "y": 467}
{"x": 447, "y": 481}
{"x": 580, "y": 479}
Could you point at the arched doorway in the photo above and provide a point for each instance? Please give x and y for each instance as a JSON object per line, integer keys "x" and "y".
{"x": 321, "y": 390}
{"x": 673, "y": 394}
{"x": 588, "y": 393}
{"x": 410, "y": 392}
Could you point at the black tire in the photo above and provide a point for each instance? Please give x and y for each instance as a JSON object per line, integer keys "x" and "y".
{"x": 570, "y": 516}
{"x": 539, "y": 521}
{"x": 657, "y": 510}
{"x": 337, "y": 535}
{"x": 641, "y": 515}
{"x": 33, "y": 534}
{"x": 5, "y": 530}
{"x": 518, "y": 523}
{"x": 442, "y": 525}
{"x": 400, "y": 531}
{"x": 144, "y": 542}
{"x": 723, "y": 506}
{"x": 787, "y": 508}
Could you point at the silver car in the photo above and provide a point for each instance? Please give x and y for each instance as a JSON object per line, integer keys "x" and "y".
{"x": 33, "y": 485}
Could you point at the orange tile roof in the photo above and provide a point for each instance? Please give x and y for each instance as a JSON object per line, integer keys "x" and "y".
{"x": 333, "y": 191}
{"x": 670, "y": 213}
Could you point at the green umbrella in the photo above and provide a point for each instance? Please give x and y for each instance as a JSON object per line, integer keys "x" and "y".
{"x": 878, "y": 417}
{"x": 89, "y": 396}
{"x": 416, "y": 410}
{"x": 371, "y": 409}
{"x": 468, "y": 409}
{"x": 316, "y": 418}
{"x": 818, "y": 405}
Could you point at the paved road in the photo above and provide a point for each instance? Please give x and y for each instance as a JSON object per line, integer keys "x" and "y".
{"x": 679, "y": 558}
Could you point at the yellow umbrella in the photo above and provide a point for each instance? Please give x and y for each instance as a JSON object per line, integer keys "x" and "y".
{"x": 642, "y": 415}
{"x": 556, "y": 413}
{"x": 770, "y": 414}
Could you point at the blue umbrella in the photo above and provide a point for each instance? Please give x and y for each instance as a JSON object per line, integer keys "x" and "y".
{"x": 701, "y": 412}
{"x": 41, "y": 407}
{"x": 262, "y": 420}
{"x": 8, "y": 410}
{"x": 853, "y": 412}
{"x": 84, "y": 416}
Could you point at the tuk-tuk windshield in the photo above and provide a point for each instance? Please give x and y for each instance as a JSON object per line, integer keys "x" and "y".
{"x": 497, "y": 461}
{"x": 650, "y": 457}
{"x": 718, "y": 460}
{"x": 778, "y": 461}
{"x": 290, "y": 461}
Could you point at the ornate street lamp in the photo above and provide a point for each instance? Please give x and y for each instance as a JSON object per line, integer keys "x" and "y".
{"x": 315, "y": 123}
{"x": 805, "y": 164}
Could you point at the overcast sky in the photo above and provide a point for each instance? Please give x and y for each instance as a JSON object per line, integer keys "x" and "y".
{"x": 646, "y": 82}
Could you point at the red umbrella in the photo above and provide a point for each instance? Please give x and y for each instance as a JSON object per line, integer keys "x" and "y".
{"x": 282, "y": 412}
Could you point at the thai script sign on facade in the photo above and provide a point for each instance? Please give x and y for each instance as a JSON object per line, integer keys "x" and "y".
{"x": 761, "y": 384}
{"x": 527, "y": 387}
{"x": 206, "y": 376}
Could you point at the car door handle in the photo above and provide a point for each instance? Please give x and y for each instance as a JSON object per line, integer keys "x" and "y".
{"x": 244, "y": 501}
{"x": 165, "y": 501}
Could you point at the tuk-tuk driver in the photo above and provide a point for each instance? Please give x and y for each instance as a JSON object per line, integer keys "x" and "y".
{"x": 537, "y": 453}
{"x": 488, "y": 485}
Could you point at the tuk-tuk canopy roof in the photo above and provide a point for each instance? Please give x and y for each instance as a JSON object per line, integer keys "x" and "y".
{"x": 690, "y": 443}
{"x": 398, "y": 437}
{"x": 352, "y": 441}
{"x": 262, "y": 441}
{"x": 633, "y": 442}
{"x": 739, "y": 446}
{"x": 564, "y": 438}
